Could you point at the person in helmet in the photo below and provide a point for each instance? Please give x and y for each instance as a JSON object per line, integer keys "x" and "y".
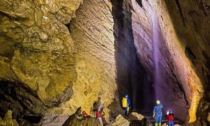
{"x": 99, "y": 110}
{"x": 170, "y": 117}
{"x": 157, "y": 113}
{"x": 126, "y": 104}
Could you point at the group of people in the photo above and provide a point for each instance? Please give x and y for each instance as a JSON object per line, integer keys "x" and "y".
{"x": 97, "y": 109}
{"x": 157, "y": 111}
{"x": 126, "y": 104}
{"x": 157, "y": 114}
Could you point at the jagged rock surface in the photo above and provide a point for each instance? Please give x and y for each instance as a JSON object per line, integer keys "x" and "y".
{"x": 44, "y": 66}
{"x": 44, "y": 63}
{"x": 92, "y": 32}
{"x": 38, "y": 55}
{"x": 8, "y": 120}
{"x": 120, "y": 121}
{"x": 183, "y": 63}
{"x": 131, "y": 77}
{"x": 36, "y": 47}
{"x": 182, "y": 84}
{"x": 73, "y": 121}
{"x": 192, "y": 27}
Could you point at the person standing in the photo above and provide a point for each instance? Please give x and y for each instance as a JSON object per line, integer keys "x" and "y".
{"x": 157, "y": 113}
{"x": 170, "y": 117}
{"x": 126, "y": 104}
{"x": 99, "y": 111}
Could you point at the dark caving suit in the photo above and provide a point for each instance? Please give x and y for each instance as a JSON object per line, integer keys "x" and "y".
{"x": 157, "y": 113}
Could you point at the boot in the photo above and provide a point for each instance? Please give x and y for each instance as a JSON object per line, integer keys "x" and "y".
{"x": 159, "y": 124}
{"x": 156, "y": 124}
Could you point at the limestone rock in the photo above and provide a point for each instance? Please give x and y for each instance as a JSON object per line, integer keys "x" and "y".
{"x": 73, "y": 121}
{"x": 37, "y": 49}
{"x": 8, "y": 120}
{"x": 54, "y": 120}
{"x": 136, "y": 116}
{"x": 53, "y": 62}
{"x": 162, "y": 47}
{"x": 120, "y": 121}
{"x": 92, "y": 32}
{"x": 208, "y": 117}
{"x": 171, "y": 45}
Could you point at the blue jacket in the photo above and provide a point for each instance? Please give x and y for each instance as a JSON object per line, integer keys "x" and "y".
{"x": 157, "y": 110}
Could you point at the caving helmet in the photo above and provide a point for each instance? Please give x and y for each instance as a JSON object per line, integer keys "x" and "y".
{"x": 157, "y": 102}
{"x": 126, "y": 95}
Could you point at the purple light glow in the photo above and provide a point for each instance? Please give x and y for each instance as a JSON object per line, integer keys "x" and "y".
{"x": 156, "y": 54}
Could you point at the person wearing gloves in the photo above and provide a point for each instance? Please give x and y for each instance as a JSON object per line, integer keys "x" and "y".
{"x": 157, "y": 113}
{"x": 170, "y": 117}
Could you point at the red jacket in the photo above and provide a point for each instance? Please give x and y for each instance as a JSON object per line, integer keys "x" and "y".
{"x": 170, "y": 117}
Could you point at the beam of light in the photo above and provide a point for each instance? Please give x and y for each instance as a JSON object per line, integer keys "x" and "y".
{"x": 156, "y": 53}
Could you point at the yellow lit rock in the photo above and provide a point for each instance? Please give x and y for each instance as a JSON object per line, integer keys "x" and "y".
{"x": 36, "y": 46}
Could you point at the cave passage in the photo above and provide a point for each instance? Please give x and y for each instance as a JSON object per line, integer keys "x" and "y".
{"x": 131, "y": 76}
{"x": 12, "y": 98}
{"x": 144, "y": 87}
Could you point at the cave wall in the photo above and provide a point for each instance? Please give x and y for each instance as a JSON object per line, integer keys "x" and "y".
{"x": 54, "y": 62}
{"x": 36, "y": 47}
{"x": 192, "y": 27}
{"x": 131, "y": 76}
{"x": 168, "y": 89}
{"x": 92, "y": 32}
{"x": 183, "y": 68}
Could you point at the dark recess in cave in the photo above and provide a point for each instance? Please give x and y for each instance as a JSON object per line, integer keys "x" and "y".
{"x": 131, "y": 76}
{"x": 11, "y": 98}
{"x": 33, "y": 118}
{"x": 190, "y": 55}
{"x": 139, "y": 2}
{"x": 207, "y": 75}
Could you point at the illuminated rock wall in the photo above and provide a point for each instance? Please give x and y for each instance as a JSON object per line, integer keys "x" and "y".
{"x": 45, "y": 66}
{"x": 192, "y": 27}
{"x": 36, "y": 47}
{"x": 58, "y": 55}
{"x": 92, "y": 32}
{"x": 183, "y": 59}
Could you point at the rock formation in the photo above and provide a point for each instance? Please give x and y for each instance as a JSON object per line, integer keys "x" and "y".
{"x": 8, "y": 120}
{"x": 170, "y": 48}
{"x": 48, "y": 69}
{"x": 37, "y": 49}
{"x": 59, "y": 55}
{"x": 92, "y": 32}
{"x": 183, "y": 58}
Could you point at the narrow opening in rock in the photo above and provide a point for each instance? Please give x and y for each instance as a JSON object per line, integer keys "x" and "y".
{"x": 139, "y": 2}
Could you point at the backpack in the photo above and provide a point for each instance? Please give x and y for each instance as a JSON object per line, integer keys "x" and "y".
{"x": 124, "y": 102}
